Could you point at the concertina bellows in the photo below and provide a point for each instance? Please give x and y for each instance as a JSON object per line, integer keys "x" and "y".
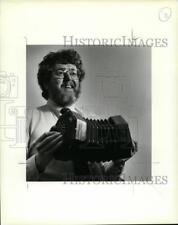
{"x": 93, "y": 140}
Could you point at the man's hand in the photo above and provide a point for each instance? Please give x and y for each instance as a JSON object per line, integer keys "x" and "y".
{"x": 45, "y": 146}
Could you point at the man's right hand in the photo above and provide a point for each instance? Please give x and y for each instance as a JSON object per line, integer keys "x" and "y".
{"x": 45, "y": 146}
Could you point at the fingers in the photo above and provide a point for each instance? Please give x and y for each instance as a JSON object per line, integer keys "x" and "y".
{"x": 58, "y": 145}
{"x": 50, "y": 143}
{"x": 47, "y": 139}
{"x": 41, "y": 138}
{"x": 46, "y": 134}
{"x": 134, "y": 148}
{"x": 55, "y": 148}
{"x": 119, "y": 162}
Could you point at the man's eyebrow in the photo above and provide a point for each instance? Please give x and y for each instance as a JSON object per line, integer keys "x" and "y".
{"x": 62, "y": 68}
{"x": 73, "y": 68}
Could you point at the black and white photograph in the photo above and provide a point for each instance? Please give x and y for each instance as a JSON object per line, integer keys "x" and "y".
{"x": 88, "y": 113}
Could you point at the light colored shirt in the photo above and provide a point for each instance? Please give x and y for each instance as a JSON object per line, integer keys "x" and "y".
{"x": 39, "y": 121}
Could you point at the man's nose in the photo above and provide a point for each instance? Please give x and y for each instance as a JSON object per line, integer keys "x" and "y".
{"x": 67, "y": 76}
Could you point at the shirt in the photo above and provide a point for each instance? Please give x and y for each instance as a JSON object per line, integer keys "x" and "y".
{"x": 39, "y": 121}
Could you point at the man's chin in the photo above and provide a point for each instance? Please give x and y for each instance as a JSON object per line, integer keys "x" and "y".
{"x": 65, "y": 101}
{"x": 68, "y": 102}
{"x": 66, "y": 97}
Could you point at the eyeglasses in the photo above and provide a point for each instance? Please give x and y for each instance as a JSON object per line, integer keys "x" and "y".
{"x": 61, "y": 73}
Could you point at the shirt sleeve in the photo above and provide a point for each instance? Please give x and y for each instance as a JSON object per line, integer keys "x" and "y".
{"x": 32, "y": 172}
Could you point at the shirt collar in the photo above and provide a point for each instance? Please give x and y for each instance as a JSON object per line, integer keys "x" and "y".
{"x": 56, "y": 109}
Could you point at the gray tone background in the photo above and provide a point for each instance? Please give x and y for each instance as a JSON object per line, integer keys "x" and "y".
{"x": 117, "y": 82}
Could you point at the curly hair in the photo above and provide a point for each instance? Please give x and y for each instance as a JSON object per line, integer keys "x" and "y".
{"x": 68, "y": 56}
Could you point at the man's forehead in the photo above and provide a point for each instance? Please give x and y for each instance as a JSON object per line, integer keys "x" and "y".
{"x": 65, "y": 66}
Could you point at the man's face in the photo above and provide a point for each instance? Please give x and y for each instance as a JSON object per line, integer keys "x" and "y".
{"x": 64, "y": 85}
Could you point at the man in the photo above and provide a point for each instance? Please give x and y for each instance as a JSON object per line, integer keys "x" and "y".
{"x": 60, "y": 75}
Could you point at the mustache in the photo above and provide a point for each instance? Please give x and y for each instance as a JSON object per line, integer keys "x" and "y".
{"x": 69, "y": 83}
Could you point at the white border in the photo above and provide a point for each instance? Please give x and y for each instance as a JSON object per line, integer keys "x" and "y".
{"x": 56, "y": 203}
